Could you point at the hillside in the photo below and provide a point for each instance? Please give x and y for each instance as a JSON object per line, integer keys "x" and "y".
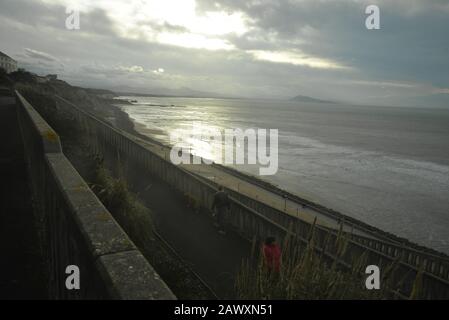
{"x": 309, "y": 99}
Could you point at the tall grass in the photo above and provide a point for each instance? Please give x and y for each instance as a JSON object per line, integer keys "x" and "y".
{"x": 126, "y": 208}
{"x": 306, "y": 273}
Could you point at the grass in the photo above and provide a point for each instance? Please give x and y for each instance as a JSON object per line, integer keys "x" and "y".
{"x": 129, "y": 212}
{"x": 136, "y": 219}
{"x": 307, "y": 274}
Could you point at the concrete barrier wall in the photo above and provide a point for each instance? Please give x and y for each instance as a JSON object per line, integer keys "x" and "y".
{"x": 244, "y": 219}
{"x": 76, "y": 229}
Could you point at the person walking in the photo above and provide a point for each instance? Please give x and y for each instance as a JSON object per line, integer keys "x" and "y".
{"x": 221, "y": 205}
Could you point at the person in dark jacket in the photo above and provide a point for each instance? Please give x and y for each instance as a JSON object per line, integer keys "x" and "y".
{"x": 272, "y": 256}
{"x": 221, "y": 204}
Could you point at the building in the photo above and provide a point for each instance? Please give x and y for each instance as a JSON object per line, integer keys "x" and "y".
{"x": 7, "y": 63}
{"x": 45, "y": 79}
{"x": 51, "y": 77}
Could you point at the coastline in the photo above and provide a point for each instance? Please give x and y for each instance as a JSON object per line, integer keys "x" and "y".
{"x": 126, "y": 123}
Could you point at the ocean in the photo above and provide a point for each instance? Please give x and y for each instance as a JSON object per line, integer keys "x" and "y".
{"x": 386, "y": 166}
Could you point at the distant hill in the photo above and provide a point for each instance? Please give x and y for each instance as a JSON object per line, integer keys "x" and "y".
{"x": 180, "y": 92}
{"x": 309, "y": 99}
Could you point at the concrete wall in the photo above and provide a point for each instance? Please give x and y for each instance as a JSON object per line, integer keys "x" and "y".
{"x": 76, "y": 229}
{"x": 244, "y": 219}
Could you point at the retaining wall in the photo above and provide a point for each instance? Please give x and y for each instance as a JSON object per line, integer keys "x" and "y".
{"x": 76, "y": 229}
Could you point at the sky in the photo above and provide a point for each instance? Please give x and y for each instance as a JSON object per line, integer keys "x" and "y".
{"x": 256, "y": 48}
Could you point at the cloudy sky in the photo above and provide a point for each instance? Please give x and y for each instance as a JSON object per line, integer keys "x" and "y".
{"x": 255, "y": 48}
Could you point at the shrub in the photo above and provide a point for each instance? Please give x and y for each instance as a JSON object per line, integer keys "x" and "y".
{"x": 129, "y": 212}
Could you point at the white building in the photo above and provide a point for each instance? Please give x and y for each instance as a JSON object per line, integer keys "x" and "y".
{"x": 7, "y": 63}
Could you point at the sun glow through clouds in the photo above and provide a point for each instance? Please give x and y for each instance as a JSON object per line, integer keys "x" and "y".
{"x": 179, "y": 23}
{"x": 148, "y": 19}
{"x": 295, "y": 58}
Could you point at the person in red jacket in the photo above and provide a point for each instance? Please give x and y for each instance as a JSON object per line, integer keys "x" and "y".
{"x": 272, "y": 255}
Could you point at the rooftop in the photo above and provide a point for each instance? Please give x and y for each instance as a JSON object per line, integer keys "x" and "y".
{"x": 5, "y": 55}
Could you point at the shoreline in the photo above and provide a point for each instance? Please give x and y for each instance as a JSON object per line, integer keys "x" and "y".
{"x": 126, "y": 123}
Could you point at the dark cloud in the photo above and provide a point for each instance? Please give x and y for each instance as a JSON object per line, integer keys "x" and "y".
{"x": 411, "y": 45}
{"x": 407, "y": 55}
